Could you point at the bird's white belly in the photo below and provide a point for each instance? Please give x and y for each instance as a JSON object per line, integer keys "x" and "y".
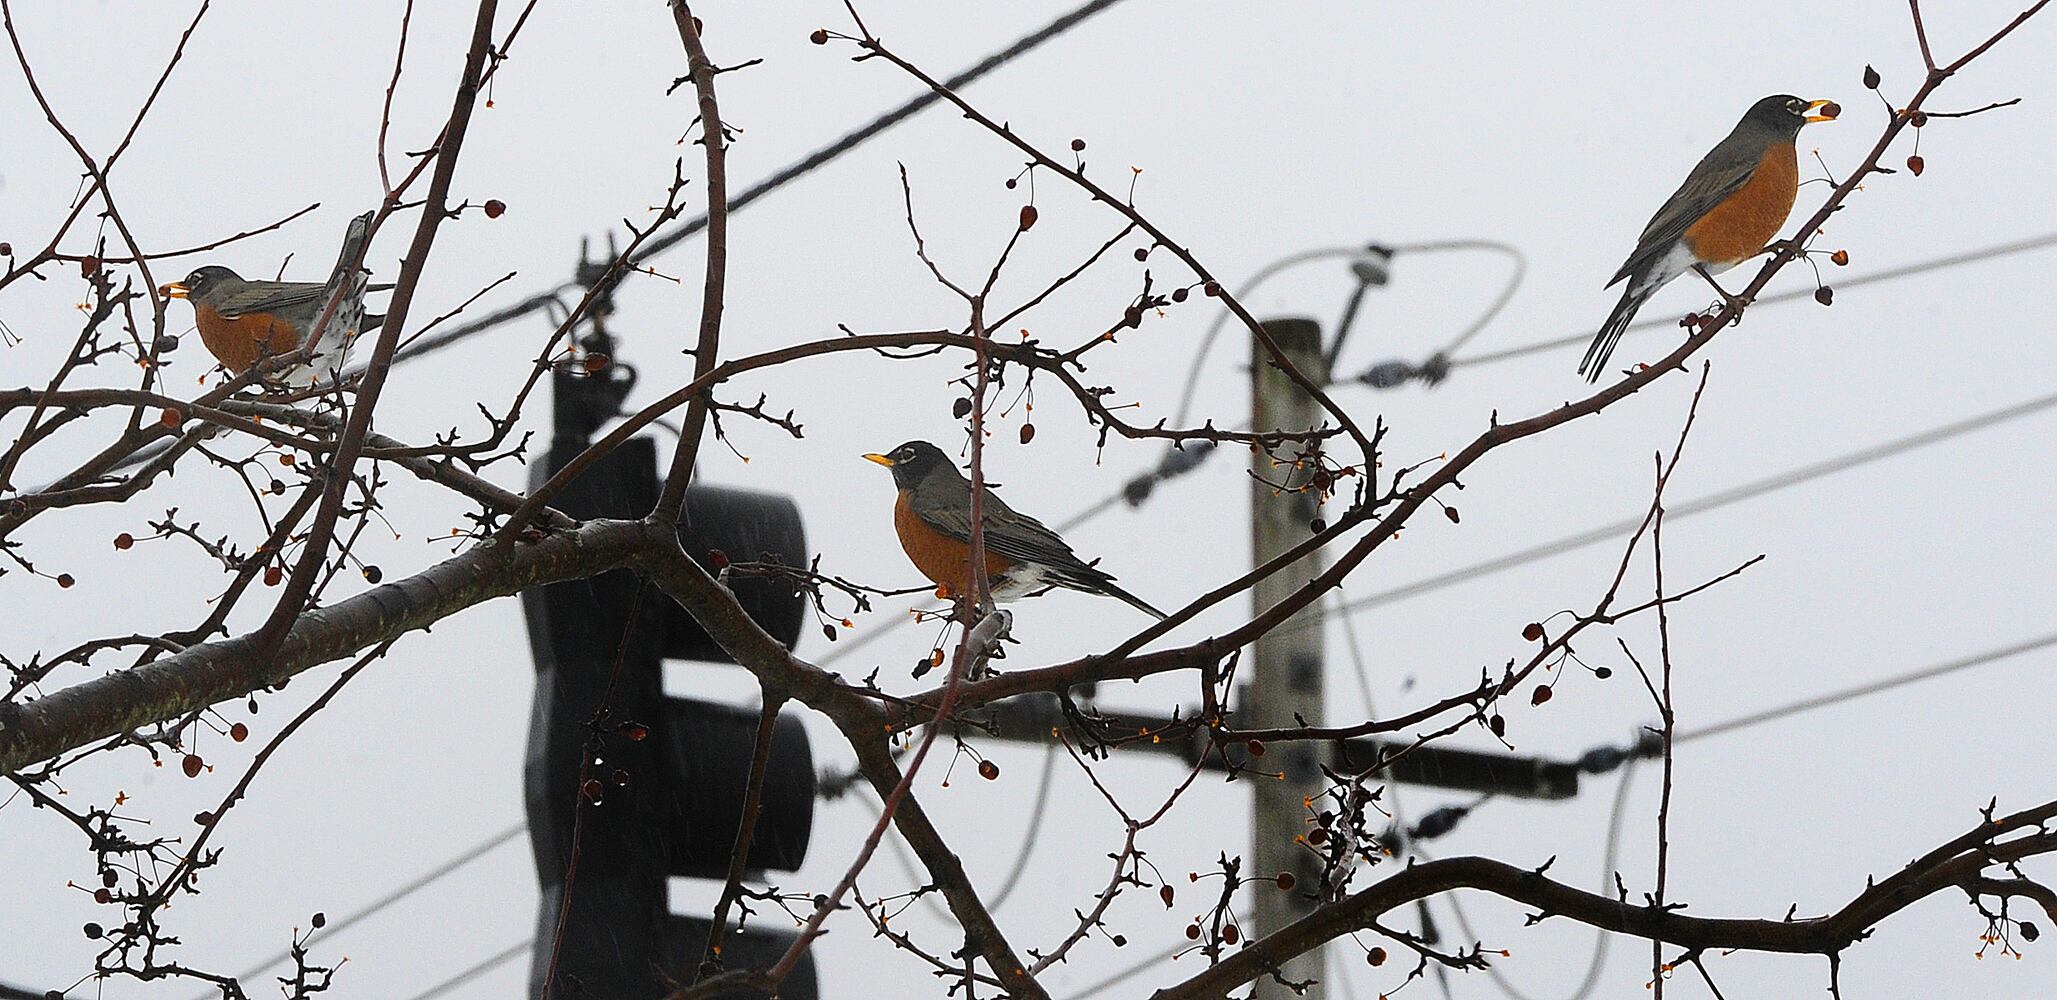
{"x": 1671, "y": 265}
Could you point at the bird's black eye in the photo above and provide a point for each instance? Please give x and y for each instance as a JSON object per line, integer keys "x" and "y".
{"x": 1796, "y": 106}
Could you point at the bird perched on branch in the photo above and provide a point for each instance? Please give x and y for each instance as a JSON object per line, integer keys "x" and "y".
{"x": 1729, "y": 208}
{"x": 1023, "y": 558}
{"x": 243, "y": 321}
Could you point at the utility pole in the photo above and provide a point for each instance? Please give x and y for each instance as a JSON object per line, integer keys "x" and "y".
{"x": 1285, "y": 686}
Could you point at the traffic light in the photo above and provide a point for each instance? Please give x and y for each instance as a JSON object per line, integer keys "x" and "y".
{"x": 663, "y": 792}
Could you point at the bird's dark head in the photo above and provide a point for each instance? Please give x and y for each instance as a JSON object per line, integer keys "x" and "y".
{"x": 202, "y": 283}
{"x": 1786, "y": 113}
{"x": 912, "y": 462}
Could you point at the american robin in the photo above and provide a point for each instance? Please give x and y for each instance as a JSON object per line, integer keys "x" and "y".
{"x": 1730, "y": 206}
{"x": 242, "y": 321}
{"x": 1023, "y": 558}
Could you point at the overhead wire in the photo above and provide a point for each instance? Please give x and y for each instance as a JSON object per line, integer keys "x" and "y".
{"x": 1714, "y": 501}
{"x": 1838, "y": 697}
{"x": 479, "y": 968}
{"x": 789, "y": 173}
{"x": 1972, "y": 256}
{"x": 338, "y": 925}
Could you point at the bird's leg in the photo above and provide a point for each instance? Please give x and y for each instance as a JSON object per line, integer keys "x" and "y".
{"x": 1735, "y": 303}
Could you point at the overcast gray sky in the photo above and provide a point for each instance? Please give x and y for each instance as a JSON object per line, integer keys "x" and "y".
{"x": 1262, "y": 129}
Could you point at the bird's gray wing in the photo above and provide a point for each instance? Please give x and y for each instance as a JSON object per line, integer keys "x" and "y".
{"x": 268, "y": 296}
{"x": 1725, "y": 168}
{"x": 1009, "y": 533}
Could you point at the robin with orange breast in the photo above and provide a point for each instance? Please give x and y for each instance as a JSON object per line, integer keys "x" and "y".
{"x": 1729, "y": 208}
{"x": 1023, "y": 558}
{"x": 243, "y": 321}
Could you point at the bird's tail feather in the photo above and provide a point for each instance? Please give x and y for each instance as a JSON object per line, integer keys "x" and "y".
{"x": 1632, "y": 299}
{"x": 1132, "y": 600}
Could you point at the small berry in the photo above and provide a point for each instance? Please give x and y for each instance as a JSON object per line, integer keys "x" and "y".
{"x": 239, "y": 732}
{"x": 6, "y": 249}
{"x": 1317, "y": 526}
{"x": 718, "y": 559}
{"x": 170, "y": 418}
{"x": 95, "y": 931}
{"x": 109, "y": 879}
{"x": 1028, "y": 217}
{"x": 1286, "y": 881}
{"x": 319, "y": 920}
{"x": 1256, "y": 748}
{"x": 1917, "y": 118}
{"x": 1229, "y": 934}
{"x": 592, "y": 790}
{"x": 1451, "y": 513}
{"x": 102, "y": 896}
{"x": 273, "y": 576}
{"x": 989, "y": 770}
{"x": 1541, "y": 695}
{"x": 1164, "y": 893}
{"x": 1498, "y": 725}
{"x": 635, "y": 731}
{"x": 373, "y": 574}
{"x": 1603, "y": 672}
{"x": 192, "y": 765}
{"x": 1078, "y": 145}
{"x": 1840, "y": 258}
{"x": 64, "y": 581}
{"x": 1871, "y": 79}
{"x": 1831, "y": 110}
{"x": 1192, "y": 932}
{"x": 961, "y": 408}
{"x": 1178, "y": 295}
{"x": 124, "y": 541}
{"x": 1915, "y": 165}
{"x": 1533, "y": 631}
{"x": 495, "y": 208}
{"x": 1376, "y": 956}
{"x": 1028, "y": 433}
{"x": 594, "y": 364}
{"x": 1011, "y": 182}
{"x": 820, "y": 36}
{"x": 1212, "y": 289}
{"x": 1825, "y": 295}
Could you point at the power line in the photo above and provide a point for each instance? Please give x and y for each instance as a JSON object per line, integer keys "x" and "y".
{"x": 799, "y": 168}
{"x": 1876, "y": 277}
{"x": 488, "y": 964}
{"x": 1864, "y": 690}
{"x": 409, "y": 888}
{"x": 1756, "y": 488}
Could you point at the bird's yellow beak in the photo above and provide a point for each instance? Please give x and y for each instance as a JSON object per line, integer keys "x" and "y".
{"x": 880, "y": 459}
{"x": 173, "y": 290}
{"x": 1829, "y": 110}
